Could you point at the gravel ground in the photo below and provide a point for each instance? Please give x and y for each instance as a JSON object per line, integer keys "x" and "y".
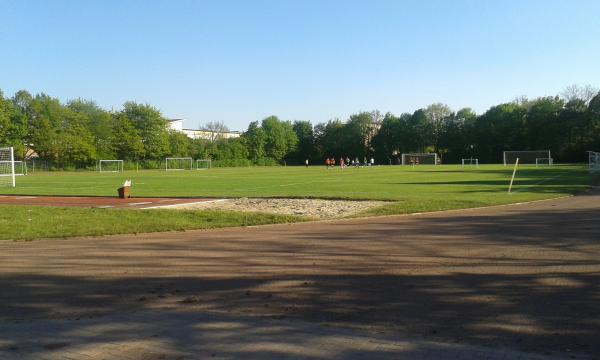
{"x": 314, "y": 208}
{"x": 523, "y": 277}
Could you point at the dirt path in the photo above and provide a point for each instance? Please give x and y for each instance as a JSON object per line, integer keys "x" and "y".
{"x": 526, "y": 277}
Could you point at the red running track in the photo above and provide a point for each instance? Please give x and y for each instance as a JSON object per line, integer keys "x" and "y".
{"x": 94, "y": 202}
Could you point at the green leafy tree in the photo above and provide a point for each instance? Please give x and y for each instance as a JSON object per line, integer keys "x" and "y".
{"x": 420, "y": 132}
{"x": 306, "y": 144}
{"x": 238, "y": 148}
{"x": 500, "y": 128}
{"x": 45, "y": 117}
{"x": 255, "y": 139}
{"x": 454, "y": 143}
{"x": 127, "y": 143}
{"x": 100, "y": 124}
{"x": 150, "y": 126}
{"x": 387, "y": 141}
{"x": 180, "y": 144}
{"x": 329, "y": 139}
{"x": 13, "y": 127}
{"x": 75, "y": 142}
{"x": 358, "y": 133}
{"x": 280, "y": 138}
{"x": 438, "y": 115}
{"x": 543, "y": 129}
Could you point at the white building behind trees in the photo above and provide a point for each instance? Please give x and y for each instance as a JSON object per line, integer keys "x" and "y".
{"x": 207, "y": 134}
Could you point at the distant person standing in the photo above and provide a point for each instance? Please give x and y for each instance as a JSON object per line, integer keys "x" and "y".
{"x": 342, "y": 163}
{"x": 372, "y": 162}
{"x": 327, "y": 163}
{"x": 306, "y": 162}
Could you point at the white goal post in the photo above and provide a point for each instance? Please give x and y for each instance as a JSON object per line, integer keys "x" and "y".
{"x": 203, "y": 164}
{"x": 7, "y": 167}
{"x": 594, "y": 161}
{"x": 179, "y": 163}
{"x": 110, "y": 166}
{"x": 419, "y": 159}
{"x": 525, "y": 156}
{"x": 470, "y": 161}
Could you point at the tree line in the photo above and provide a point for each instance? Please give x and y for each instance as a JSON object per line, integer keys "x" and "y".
{"x": 78, "y": 133}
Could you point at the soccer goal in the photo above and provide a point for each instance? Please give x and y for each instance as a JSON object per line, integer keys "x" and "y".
{"x": 202, "y": 164}
{"x": 7, "y": 167}
{"x": 544, "y": 162}
{"x": 20, "y": 167}
{"x": 470, "y": 161}
{"x": 110, "y": 166}
{"x": 179, "y": 163}
{"x": 526, "y": 156}
{"x": 420, "y": 159}
{"x": 594, "y": 161}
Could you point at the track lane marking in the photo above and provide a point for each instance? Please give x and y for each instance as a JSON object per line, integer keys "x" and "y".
{"x": 140, "y": 203}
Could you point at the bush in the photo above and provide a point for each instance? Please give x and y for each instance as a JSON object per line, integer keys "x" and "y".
{"x": 231, "y": 163}
{"x": 266, "y": 162}
{"x": 244, "y": 162}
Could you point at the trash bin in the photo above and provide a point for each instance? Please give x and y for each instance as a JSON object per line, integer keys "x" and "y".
{"x": 125, "y": 190}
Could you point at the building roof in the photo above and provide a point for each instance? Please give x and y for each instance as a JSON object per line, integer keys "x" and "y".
{"x": 229, "y": 131}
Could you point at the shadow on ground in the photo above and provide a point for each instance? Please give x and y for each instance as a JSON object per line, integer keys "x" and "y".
{"x": 524, "y": 279}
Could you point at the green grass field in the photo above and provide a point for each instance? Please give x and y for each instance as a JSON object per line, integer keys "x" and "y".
{"x": 409, "y": 190}
{"x": 487, "y": 184}
{"x": 33, "y": 222}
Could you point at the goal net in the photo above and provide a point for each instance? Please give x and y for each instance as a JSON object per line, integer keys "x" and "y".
{"x": 7, "y": 167}
{"x": 110, "y": 166}
{"x": 544, "y": 162}
{"x": 20, "y": 167}
{"x": 594, "y": 161}
{"x": 420, "y": 159}
{"x": 525, "y": 157}
{"x": 470, "y": 161}
{"x": 182, "y": 163}
{"x": 202, "y": 164}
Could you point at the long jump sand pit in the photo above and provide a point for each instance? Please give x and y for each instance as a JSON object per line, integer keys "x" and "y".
{"x": 312, "y": 208}
{"x": 526, "y": 277}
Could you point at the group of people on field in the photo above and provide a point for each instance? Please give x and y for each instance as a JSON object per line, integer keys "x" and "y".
{"x": 331, "y": 162}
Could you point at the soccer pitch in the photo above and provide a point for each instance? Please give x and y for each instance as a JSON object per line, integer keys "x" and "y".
{"x": 485, "y": 185}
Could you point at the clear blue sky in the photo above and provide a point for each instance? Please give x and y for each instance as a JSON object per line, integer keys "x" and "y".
{"x": 239, "y": 61}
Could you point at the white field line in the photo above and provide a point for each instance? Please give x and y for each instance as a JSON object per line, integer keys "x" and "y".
{"x": 184, "y": 204}
{"x": 104, "y": 207}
